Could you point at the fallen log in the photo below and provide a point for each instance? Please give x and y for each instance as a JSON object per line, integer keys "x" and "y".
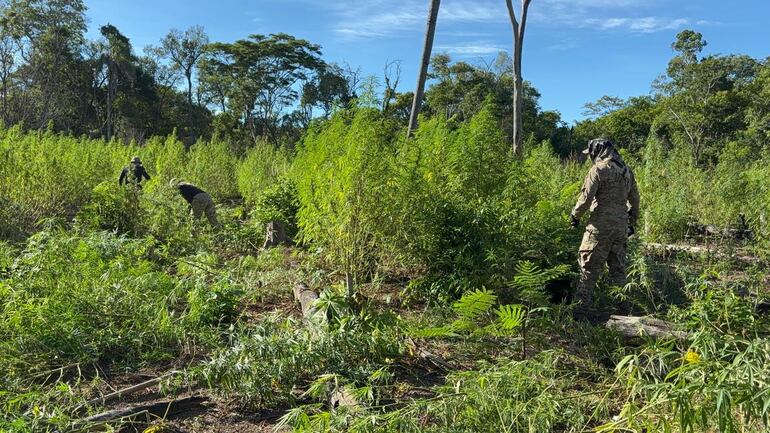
{"x": 128, "y": 391}
{"x": 645, "y": 326}
{"x": 157, "y": 409}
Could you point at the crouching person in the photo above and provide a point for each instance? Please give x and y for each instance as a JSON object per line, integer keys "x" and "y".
{"x": 200, "y": 201}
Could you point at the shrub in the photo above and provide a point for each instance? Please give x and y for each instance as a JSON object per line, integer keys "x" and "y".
{"x": 341, "y": 171}
{"x": 278, "y": 202}
{"x": 82, "y": 299}
{"x": 262, "y": 167}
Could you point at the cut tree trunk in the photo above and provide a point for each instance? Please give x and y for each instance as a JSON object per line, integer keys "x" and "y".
{"x": 306, "y": 299}
{"x": 341, "y": 397}
{"x": 645, "y": 326}
{"x": 276, "y": 235}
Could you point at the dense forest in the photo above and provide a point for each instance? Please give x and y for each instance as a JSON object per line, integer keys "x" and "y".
{"x": 424, "y": 280}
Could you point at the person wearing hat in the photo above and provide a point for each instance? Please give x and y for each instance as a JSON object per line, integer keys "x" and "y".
{"x": 133, "y": 173}
{"x": 610, "y": 194}
{"x": 200, "y": 201}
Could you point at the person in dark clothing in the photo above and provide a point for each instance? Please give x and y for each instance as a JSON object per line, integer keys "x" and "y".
{"x": 133, "y": 173}
{"x": 200, "y": 201}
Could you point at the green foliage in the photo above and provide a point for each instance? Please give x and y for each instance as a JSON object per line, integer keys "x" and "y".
{"x": 536, "y": 395}
{"x": 473, "y": 304}
{"x": 112, "y": 207}
{"x": 257, "y": 75}
{"x": 212, "y": 166}
{"x": 476, "y": 317}
{"x": 341, "y": 171}
{"x": 264, "y": 365}
{"x": 530, "y": 281}
{"x": 262, "y": 167}
{"x": 278, "y": 203}
{"x": 715, "y": 381}
{"x": 71, "y": 299}
{"x": 47, "y": 175}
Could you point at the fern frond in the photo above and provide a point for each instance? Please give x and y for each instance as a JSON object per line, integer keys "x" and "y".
{"x": 530, "y": 276}
{"x": 511, "y": 316}
{"x": 474, "y": 304}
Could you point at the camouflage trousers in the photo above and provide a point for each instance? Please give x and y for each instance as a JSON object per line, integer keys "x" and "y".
{"x": 600, "y": 247}
{"x": 203, "y": 204}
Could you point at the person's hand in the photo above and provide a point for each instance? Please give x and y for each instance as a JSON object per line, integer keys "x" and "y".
{"x": 631, "y": 231}
{"x": 573, "y": 221}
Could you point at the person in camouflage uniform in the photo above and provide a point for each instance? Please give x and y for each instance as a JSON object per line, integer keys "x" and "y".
{"x": 200, "y": 201}
{"x": 610, "y": 193}
{"x": 133, "y": 173}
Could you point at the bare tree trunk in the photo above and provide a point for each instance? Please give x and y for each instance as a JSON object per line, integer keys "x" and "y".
{"x": 108, "y": 132}
{"x": 518, "y": 84}
{"x": 5, "y": 101}
{"x": 188, "y": 75}
{"x": 426, "y": 51}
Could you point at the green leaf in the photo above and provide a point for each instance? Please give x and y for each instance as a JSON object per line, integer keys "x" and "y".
{"x": 511, "y": 316}
{"x": 474, "y": 304}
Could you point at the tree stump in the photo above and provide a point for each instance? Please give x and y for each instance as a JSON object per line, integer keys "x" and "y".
{"x": 276, "y": 235}
{"x": 645, "y": 326}
{"x": 306, "y": 299}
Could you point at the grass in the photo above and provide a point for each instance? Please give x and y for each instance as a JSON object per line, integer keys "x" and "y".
{"x": 411, "y": 249}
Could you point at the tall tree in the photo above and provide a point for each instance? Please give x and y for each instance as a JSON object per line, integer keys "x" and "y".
{"x": 260, "y": 76}
{"x": 7, "y": 66}
{"x": 427, "y": 47}
{"x": 518, "y": 26}
{"x": 328, "y": 89}
{"x": 119, "y": 64}
{"x": 184, "y": 49}
{"x": 48, "y": 36}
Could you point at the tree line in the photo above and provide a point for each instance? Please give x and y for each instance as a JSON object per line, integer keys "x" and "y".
{"x": 262, "y": 87}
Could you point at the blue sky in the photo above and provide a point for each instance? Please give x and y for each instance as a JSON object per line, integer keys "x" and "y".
{"x": 575, "y": 50}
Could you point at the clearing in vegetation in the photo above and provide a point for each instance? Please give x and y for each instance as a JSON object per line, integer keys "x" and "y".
{"x": 409, "y": 283}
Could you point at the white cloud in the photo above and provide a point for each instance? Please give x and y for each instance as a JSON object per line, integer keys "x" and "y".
{"x": 636, "y": 25}
{"x": 367, "y": 19}
{"x": 464, "y": 12}
{"x": 472, "y": 49}
{"x": 378, "y": 18}
{"x": 603, "y": 15}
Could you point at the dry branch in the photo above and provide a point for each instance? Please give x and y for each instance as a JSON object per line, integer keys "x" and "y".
{"x": 425, "y": 355}
{"x": 128, "y": 391}
{"x": 156, "y": 409}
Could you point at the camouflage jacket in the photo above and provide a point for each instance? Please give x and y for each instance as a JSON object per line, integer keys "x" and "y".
{"x": 610, "y": 193}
